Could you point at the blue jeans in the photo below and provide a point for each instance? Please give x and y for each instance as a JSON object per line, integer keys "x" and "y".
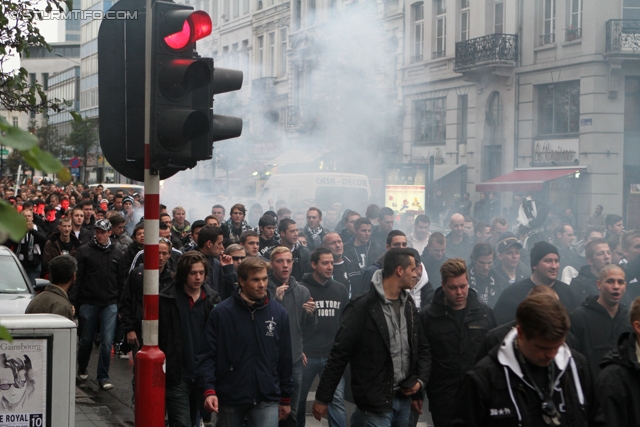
{"x": 337, "y": 410}
{"x": 398, "y": 417}
{"x": 264, "y": 414}
{"x": 183, "y": 402}
{"x": 298, "y": 368}
{"x": 90, "y": 315}
{"x": 34, "y": 273}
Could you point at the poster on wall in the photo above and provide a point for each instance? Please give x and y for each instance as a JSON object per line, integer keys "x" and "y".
{"x": 24, "y": 369}
{"x": 405, "y": 198}
{"x": 405, "y": 187}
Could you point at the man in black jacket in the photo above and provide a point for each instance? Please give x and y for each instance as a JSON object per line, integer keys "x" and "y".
{"x": 455, "y": 324}
{"x": 98, "y": 287}
{"x": 183, "y": 314}
{"x": 618, "y": 387}
{"x": 598, "y": 323}
{"x": 345, "y": 271}
{"x": 433, "y": 257}
{"x": 222, "y": 276}
{"x": 361, "y": 248}
{"x": 545, "y": 264}
{"x": 331, "y": 299}
{"x": 598, "y": 256}
{"x": 382, "y": 338}
{"x": 532, "y": 379}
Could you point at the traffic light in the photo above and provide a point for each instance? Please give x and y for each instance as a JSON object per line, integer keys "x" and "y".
{"x": 183, "y": 126}
{"x": 183, "y": 84}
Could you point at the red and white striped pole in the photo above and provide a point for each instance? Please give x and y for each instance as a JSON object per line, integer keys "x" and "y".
{"x": 150, "y": 376}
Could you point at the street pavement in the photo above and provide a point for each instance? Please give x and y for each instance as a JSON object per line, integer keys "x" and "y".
{"x": 113, "y": 408}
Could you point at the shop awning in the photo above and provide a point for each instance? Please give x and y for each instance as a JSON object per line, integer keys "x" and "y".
{"x": 526, "y": 179}
{"x": 440, "y": 171}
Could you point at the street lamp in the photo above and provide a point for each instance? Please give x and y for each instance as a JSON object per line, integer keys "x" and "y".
{"x": 59, "y": 55}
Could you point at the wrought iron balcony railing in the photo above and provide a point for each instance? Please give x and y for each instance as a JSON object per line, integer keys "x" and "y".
{"x": 547, "y": 39}
{"x": 494, "y": 48}
{"x": 623, "y": 36}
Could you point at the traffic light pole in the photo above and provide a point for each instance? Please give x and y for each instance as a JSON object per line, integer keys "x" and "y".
{"x": 150, "y": 376}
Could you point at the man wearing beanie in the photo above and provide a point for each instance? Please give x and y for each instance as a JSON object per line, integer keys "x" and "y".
{"x": 545, "y": 264}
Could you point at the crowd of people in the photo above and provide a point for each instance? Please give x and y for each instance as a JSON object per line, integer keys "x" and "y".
{"x": 492, "y": 322}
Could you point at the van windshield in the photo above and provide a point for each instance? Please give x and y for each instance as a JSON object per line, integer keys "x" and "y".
{"x": 350, "y": 198}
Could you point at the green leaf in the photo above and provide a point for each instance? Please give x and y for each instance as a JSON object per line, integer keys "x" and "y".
{"x": 42, "y": 160}
{"x": 17, "y": 138}
{"x": 5, "y": 335}
{"x": 64, "y": 175}
{"x": 76, "y": 116}
{"x": 11, "y": 222}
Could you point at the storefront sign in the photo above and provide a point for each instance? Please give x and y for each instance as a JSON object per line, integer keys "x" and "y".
{"x": 405, "y": 189}
{"x": 23, "y": 382}
{"x": 555, "y": 152}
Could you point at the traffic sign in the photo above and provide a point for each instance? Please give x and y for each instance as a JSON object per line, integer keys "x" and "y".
{"x": 74, "y": 162}
{"x": 4, "y": 152}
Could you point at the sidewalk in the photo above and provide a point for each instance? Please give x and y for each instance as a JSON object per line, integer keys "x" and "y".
{"x": 93, "y": 410}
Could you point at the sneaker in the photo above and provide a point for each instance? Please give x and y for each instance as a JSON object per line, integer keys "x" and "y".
{"x": 83, "y": 375}
{"x": 106, "y": 385}
{"x": 123, "y": 356}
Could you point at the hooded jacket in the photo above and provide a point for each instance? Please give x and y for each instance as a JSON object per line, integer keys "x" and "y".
{"x": 596, "y": 333}
{"x": 100, "y": 277}
{"x": 331, "y": 298}
{"x": 585, "y": 283}
{"x": 618, "y": 386}
{"x": 453, "y": 349}
{"x": 502, "y": 278}
{"x": 372, "y": 252}
{"x": 170, "y": 335}
{"x": 299, "y": 319}
{"x": 364, "y": 341}
{"x": 422, "y": 293}
{"x": 130, "y": 309}
{"x": 53, "y": 248}
{"x": 497, "y": 393}
{"x": 245, "y": 358}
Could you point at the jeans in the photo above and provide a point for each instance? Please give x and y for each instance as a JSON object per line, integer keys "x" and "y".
{"x": 337, "y": 410}
{"x": 398, "y": 417}
{"x": 34, "y": 273}
{"x": 183, "y": 401}
{"x": 292, "y": 419}
{"x": 90, "y": 315}
{"x": 264, "y": 414}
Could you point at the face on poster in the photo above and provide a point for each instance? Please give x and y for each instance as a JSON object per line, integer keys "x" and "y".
{"x": 405, "y": 198}
{"x": 23, "y": 382}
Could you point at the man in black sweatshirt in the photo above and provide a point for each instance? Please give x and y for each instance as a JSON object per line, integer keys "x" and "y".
{"x": 331, "y": 298}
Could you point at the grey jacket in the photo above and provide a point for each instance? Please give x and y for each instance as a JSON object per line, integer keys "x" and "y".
{"x": 299, "y": 319}
{"x": 398, "y": 333}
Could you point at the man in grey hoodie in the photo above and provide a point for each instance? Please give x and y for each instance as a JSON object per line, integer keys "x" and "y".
{"x": 300, "y": 307}
{"x": 382, "y": 337}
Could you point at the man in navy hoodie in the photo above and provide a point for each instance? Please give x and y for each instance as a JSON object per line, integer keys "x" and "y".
{"x": 245, "y": 361}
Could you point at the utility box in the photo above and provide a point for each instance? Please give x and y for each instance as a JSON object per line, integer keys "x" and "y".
{"x": 37, "y": 371}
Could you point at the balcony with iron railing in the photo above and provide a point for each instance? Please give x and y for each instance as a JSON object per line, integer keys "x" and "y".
{"x": 486, "y": 51}
{"x": 623, "y": 38}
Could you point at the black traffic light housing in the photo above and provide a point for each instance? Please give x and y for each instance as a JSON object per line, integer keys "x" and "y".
{"x": 183, "y": 126}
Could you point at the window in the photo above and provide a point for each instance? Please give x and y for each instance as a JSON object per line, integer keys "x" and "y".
{"x": 225, "y": 10}
{"x": 464, "y": 20}
{"x": 272, "y": 54}
{"x": 214, "y": 12}
{"x": 430, "y": 121}
{"x": 463, "y": 118}
{"x": 498, "y": 17}
{"x": 236, "y": 8}
{"x": 418, "y": 32}
{"x": 260, "y": 55}
{"x": 14, "y": 121}
{"x": 441, "y": 29}
{"x": 297, "y": 14}
{"x": 45, "y": 81}
{"x": 283, "y": 51}
{"x": 311, "y": 12}
{"x": 631, "y": 9}
{"x": 235, "y": 56}
{"x": 244, "y": 58}
{"x": 576, "y": 14}
{"x": 559, "y": 108}
{"x": 549, "y": 22}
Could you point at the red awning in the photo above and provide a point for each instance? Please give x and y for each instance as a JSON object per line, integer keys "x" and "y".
{"x": 526, "y": 179}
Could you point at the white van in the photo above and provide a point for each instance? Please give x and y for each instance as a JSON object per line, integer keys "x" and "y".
{"x": 319, "y": 189}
